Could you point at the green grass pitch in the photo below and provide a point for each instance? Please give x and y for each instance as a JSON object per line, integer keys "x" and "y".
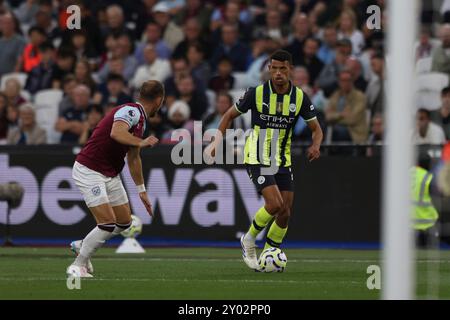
{"x": 207, "y": 273}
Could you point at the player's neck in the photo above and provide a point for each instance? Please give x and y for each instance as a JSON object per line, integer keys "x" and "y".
{"x": 281, "y": 89}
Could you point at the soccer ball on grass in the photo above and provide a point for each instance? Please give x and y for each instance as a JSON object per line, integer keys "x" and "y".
{"x": 272, "y": 260}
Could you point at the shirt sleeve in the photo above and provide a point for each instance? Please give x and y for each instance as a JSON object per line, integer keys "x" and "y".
{"x": 247, "y": 101}
{"x": 128, "y": 114}
{"x": 307, "y": 111}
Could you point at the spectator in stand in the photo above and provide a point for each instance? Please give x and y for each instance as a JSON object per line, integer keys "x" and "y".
{"x": 180, "y": 68}
{"x": 274, "y": 27}
{"x": 171, "y": 32}
{"x": 223, "y": 102}
{"x": 192, "y": 34}
{"x": 43, "y": 19}
{"x": 300, "y": 78}
{"x": 426, "y": 47}
{"x": 83, "y": 75}
{"x": 300, "y": 33}
{"x": 116, "y": 21}
{"x": 427, "y": 132}
{"x": 152, "y": 37}
{"x": 12, "y": 91}
{"x": 199, "y": 67}
{"x": 375, "y": 90}
{"x": 187, "y": 92}
{"x": 42, "y": 75}
{"x": 354, "y": 66}
{"x": 346, "y": 112}
{"x": 327, "y": 51}
{"x": 348, "y": 30}
{"x": 224, "y": 79}
{"x": 328, "y": 78}
{"x": 11, "y": 44}
{"x": 194, "y": 9}
{"x": 30, "y": 57}
{"x": 28, "y": 132}
{"x": 442, "y": 116}
{"x": 122, "y": 51}
{"x": 69, "y": 83}
{"x": 441, "y": 56}
{"x": 70, "y": 123}
{"x": 231, "y": 47}
{"x": 3, "y": 118}
{"x": 115, "y": 91}
{"x": 65, "y": 64}
{"x": 94, "y": 116}
{"x": 82, "y": 48}
{"x": 229, "y": 13}
{"x": 178, "y": 118}
{"x": 155, "y": 67}
{"x": 308, "y": 58}
{"x": 376, "y": 136}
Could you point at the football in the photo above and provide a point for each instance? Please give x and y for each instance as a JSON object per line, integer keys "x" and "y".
{"x": 135, "y": 229}
{"x": 272, "y": 260}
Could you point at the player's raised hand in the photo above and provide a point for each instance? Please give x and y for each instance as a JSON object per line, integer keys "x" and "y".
{"x": 313, "y": 153}
{"x": 149, "y": 142}
{"x": 146, "y": 201}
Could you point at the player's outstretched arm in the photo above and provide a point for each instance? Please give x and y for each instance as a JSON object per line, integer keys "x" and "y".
{"x": 135, "y": 166}
{"x": 120, "y": 133}
{"x": 317, "y": 137}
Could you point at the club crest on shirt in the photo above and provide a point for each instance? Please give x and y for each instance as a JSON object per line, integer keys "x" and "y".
{"x": 96, "y": 191}
{"x": 131, "y": 113}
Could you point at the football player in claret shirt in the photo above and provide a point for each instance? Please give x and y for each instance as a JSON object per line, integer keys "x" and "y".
{"x": 97, "y": 172}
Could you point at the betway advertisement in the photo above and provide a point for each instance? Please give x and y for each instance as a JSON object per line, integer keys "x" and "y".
{"x": 336, "y": 198}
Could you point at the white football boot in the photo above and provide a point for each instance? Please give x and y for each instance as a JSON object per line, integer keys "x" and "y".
{"x": 78, "y": 272}
{"x": 75, "y": 246}
{"x": 249, "y": 253}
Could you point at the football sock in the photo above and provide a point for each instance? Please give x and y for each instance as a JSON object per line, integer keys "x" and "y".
{"x": 94, "y": 240}
{"x": 260, "y": 221}
{"x": 120, "y": 227}
{"x": 275, "y": 236}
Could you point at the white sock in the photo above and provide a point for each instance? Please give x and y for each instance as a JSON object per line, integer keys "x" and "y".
{"x": 94, "y": 240}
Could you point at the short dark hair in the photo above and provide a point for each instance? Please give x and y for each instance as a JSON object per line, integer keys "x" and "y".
{"x": 445, "y": 91}
{"x": 281, "y": 55}
{"x": 95, "y": 107}
{"x": 151, "y": 90}
{"x": 424, "y": 111}
{"x": 224, "y": 93}
{"x": 46, "y": 46}
{"x": 37, "y": 29}
{"x": 115, "y": 77}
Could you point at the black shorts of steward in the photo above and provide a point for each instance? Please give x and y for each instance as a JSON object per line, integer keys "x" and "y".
{"x": 283, "y": 178}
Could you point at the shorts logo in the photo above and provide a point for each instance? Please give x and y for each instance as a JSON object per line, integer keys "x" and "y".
{"x": 292, "y": 107}
{"x": 261, "y": 179}
{"x": 96, "y": 191}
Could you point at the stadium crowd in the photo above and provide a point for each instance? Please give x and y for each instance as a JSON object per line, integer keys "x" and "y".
{"x": 58, "y": 83}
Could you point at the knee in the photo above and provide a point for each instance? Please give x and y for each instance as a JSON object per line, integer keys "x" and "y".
{"x": 274, "y": 207}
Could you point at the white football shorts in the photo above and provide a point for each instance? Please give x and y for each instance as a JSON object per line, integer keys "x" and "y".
{"x": 97, "y": 188}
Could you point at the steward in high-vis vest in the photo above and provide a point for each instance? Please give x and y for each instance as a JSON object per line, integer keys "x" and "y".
{"x": 425, "y": 214}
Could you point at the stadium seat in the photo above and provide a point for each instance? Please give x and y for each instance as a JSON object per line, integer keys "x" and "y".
{"x": 48, "y": 98}
{"x": 240, "y": 80}
{"x": 21, "y": 76}
{"x": 429, "y": 86}
{"x": 423, "y": 65}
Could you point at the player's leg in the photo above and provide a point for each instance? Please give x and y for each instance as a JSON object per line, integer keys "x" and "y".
{"x": 119, "y": 201}
{"x": 278, "y": 229}
{"x": 266, "y": 185}
{"x": 104, "y": 216}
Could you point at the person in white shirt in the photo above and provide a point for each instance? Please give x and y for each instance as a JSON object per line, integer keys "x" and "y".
{"x": 154, "y": 68}
{"x": 426, "y": 131}
{"x": 348, "y": 30}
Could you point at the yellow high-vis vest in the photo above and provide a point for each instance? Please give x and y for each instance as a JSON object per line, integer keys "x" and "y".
{"x": 425, "y": 214}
